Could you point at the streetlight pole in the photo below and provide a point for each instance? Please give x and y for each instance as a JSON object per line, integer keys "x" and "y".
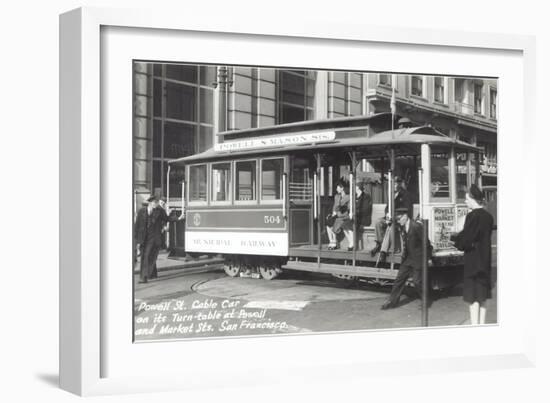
{"x": 224, "y": 83}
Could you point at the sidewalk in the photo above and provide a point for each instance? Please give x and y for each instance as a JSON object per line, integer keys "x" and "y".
{"x": 165, "y": 263}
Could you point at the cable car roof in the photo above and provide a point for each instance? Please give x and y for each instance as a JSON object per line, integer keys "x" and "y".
{"x": 348, "y": 122}
{"x": 348, "y": 138}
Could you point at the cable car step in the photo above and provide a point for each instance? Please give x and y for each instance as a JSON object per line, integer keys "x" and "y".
{"x": 359, "y": 271}
{"x": 312, "y": 251}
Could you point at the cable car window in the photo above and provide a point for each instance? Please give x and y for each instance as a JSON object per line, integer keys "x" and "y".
{"x": 406, "y": 168}
{"x": 197, "y": 183}
{"x": 272, "y": 170}
{"x": 440, "y": 177}
{"x": 221, "y": 182}
{"x": 326, "y": 181}
{"x": 461, "y": 175}
{"x": 246, "y": 180}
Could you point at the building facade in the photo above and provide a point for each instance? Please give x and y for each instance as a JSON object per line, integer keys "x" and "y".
{"x": 179, "y": 110}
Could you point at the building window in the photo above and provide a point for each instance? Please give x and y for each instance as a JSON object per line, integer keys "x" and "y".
{"x": 417, "y": 86}
{"x": 489, "y": 159}
{"x": 245, "y": 177}
{"x": 440, "y": 93}
{"x": 478, "y": 98}
{"x": 493, "y": 103}
{"x": 384, "y": 79}
{"x": 296, "y": 95}
{"x": 183, "y": 118}
{"x": 459, "y": 90}
{"x": 345, "y": 94}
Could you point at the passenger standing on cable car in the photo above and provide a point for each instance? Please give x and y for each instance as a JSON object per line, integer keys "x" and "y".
{"x": 475, "y": 241}
{"x": 340, "y": 217}
{"x": 402, "y": 199}
{"x": 363, "y": 209}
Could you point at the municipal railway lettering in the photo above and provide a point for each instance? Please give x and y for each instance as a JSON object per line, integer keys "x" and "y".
{"x": 212, "y": 242}
{"x": 257, "y": 244}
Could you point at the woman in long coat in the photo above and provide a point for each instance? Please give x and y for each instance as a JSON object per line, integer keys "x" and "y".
{"x": 475, "y": 241}
{"x": 340, "y": 215}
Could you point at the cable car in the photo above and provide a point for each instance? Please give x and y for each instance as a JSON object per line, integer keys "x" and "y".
{"x": 260, "y": 197}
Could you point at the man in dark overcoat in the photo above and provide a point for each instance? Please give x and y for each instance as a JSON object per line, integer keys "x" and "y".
{"x": 411, "y": 258}
{"x": 149, "y": 228}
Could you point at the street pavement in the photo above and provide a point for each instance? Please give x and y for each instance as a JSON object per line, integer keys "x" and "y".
{"x": 201, "y": 301}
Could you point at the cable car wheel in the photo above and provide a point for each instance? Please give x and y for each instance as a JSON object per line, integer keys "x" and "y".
{"x": 269, "y": 271}
{"x": 346, "y": 279}
{"x": 232, "y": 268}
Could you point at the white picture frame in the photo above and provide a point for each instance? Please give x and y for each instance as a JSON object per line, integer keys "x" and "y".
{"x": 93, "y": 341}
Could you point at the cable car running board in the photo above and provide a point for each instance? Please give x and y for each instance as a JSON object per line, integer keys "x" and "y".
{"x": 359, "y": 271}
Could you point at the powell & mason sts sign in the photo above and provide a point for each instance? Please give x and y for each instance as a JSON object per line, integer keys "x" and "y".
{"x": 290, "y": 139}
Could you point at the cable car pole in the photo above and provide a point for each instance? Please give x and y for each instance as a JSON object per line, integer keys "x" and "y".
{"x": 317, "y": 207}
{"x": 353, "y": 205}
{"x": 424, "y": 318}
{"x": 391, "y": 200}
{"x": 391, "y": 195}
{"x": 425, "y": 284}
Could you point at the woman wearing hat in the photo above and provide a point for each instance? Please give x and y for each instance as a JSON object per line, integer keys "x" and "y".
{"x": 475, "y": 241}
{"x": 340, "y": 217}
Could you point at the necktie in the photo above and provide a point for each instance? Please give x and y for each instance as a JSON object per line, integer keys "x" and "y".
{"x": 404, "y": 244}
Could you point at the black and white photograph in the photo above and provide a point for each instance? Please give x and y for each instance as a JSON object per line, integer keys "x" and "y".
{"x": 272, "y": 201}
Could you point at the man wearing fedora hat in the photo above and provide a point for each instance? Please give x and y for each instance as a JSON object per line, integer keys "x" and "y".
{"x": 150, "y": 223}
{"x": 411, "y": 257}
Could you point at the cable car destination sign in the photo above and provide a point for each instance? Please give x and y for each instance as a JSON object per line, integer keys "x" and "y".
{"x": 278, "y": 141}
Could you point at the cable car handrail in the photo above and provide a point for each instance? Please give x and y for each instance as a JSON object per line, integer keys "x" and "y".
{"x": 315, "y": 204}
{"x": 283, "y": 179}
{"x": 351, "y": 195}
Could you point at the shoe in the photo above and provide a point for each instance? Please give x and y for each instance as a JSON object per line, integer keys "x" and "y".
{"x": 382, "y": 257}
{"x": 331, "y": 247}
{"x": 350, "y": 249}
{"x": 388, "y": 305}
{"x": 375, "y": 250}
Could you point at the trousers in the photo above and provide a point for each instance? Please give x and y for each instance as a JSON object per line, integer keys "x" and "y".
{"x": 383, "y": 236}
{"x": 406, "y": 271}
{"x": 149, "y": 251}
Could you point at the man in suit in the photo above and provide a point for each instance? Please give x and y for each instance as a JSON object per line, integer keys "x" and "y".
{"x": 150, "y": 223}
{"x": 402, "y": 199}
{"x": 411, "y": 258}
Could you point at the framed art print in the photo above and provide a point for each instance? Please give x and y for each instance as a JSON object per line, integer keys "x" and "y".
{"x": 269, "y": 200}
